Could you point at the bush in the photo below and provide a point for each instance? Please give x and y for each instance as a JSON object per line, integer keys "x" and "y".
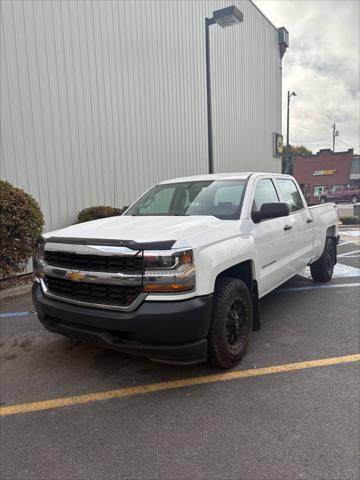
{"x": 21, "y": 223}
{"x": 94, "y": 213}
{"x": 350, "y": 220}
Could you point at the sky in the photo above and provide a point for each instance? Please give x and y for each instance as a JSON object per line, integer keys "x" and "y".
{"x": 322, "y": 65}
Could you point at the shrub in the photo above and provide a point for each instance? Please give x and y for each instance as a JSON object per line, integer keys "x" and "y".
{"x": 21, "y": 223}
{"x": 350, "y": 220}
{"x": 94, "y": 213}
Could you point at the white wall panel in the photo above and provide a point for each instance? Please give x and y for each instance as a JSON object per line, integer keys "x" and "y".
{"x": 102, "y": 98}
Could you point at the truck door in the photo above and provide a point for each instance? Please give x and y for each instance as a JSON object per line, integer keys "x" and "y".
{"x": 301, "y": 232}
{"x": 272, "y": 242}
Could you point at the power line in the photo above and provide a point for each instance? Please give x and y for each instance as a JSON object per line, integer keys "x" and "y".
{"x": 348, "y": 144}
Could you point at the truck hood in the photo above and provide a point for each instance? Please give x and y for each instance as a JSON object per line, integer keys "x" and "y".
{"x": 148, "y": 229}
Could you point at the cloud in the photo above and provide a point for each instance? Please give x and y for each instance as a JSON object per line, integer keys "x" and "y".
{"x": 322, "y": 65}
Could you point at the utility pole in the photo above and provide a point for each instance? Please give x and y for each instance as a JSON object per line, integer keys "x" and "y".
{"x": 335, "y": 134}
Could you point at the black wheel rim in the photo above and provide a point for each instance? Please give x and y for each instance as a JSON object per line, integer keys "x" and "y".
{"x": 236, "y": 326}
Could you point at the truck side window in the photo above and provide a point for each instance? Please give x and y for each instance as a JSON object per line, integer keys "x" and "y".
{"x": 290, "y": 194}
{"x": 264, "y": 193}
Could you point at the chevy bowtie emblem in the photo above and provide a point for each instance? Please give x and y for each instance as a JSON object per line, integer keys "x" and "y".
{"x": 75, "y": 276}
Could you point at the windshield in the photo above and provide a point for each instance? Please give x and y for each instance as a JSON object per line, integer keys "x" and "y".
{"x": 219, "y": 198}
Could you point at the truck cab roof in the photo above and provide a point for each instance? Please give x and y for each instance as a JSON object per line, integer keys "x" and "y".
{"x": 207, "y": 177}
{"x": 219, "y": 176}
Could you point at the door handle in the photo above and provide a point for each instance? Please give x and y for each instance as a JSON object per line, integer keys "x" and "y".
{"x": 309, "y": 220}
{"x": 287, "y": 227}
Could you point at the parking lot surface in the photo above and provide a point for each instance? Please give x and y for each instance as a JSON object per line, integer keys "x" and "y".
{"x": 300, "y": 421}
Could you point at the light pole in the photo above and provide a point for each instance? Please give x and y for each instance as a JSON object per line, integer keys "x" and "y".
{"x": 225, "y": 17}
{"x": 287, "y": 153}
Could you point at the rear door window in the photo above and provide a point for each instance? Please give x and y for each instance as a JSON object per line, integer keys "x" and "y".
{"x": 290, "y": 194}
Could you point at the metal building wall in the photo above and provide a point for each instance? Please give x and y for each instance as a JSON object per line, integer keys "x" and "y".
{"x": 101, "y": 99}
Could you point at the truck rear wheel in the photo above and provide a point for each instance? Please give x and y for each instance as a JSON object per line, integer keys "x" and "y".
{"x": 322, "y": 269}
{"x": 354, "y": 199}
{"x": 232, "y": 321}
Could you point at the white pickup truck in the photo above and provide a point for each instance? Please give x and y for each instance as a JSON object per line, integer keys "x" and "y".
{"x": 178, "y": 277}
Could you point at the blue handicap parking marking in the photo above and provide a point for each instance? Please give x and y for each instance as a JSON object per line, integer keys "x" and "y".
{"x": 16, "y": 314}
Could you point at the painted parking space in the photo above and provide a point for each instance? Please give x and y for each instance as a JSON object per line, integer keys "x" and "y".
{"x": 351, "y": 233}
{"x": 340, "y": 271}
{"x": 175, "y": 384}
{"x": 293, "y": 392}
{"x": 65, "y": 367}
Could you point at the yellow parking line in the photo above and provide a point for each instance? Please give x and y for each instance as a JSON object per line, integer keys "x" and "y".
{"x": 157, "y": 387}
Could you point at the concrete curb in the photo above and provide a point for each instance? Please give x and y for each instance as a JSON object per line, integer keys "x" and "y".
{"x": 15, "y": 291}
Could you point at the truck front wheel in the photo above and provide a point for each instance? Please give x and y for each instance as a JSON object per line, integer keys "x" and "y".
{"x": 322, "y": 269}
{"x": 232, "y": 321}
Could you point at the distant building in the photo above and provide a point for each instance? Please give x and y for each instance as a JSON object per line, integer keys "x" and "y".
{"x": 325, "y": 171}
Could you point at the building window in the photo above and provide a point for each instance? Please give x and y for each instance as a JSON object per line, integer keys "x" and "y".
{"x": 338, "y": 188}
{"x": 319, "y": 190}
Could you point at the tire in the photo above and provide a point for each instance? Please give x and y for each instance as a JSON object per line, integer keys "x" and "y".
{"x": 322, "y": 269}
{"x": 232, "y": 323}
{"x": 322, "y": 200}
{"x": 354, "y": 199}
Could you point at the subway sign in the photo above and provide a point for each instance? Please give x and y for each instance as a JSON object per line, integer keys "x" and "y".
{"x": 319, "y": 173}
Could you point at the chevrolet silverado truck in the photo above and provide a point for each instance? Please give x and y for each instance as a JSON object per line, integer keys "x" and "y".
{"x": 179, "y": 275}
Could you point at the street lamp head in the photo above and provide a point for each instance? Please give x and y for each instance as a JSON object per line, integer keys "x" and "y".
{"x": 293, "y": 94}
{"x": 227, "y": 17}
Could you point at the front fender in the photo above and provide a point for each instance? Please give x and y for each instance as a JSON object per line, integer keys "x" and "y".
{"x": 215, "y": 258}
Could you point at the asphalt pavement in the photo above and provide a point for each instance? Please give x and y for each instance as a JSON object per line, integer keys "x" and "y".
{"x": 292, "y": 422}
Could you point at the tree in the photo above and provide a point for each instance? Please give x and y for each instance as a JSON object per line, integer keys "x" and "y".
{"x": 294, "y": 151}
{"x": 299, "y": 150}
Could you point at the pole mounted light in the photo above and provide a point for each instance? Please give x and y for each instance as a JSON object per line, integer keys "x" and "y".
{"x": 287, "y": 153}
{"x": 225, "y": 17}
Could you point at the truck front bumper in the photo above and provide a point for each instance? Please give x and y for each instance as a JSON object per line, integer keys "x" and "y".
{"x": 172, "y": 332}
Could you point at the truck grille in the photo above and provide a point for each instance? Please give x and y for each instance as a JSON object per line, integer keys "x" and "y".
{"x": 130, "y": 265}
{"x": 117, "y": 295}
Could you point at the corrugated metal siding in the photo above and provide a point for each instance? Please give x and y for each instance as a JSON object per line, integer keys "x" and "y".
{"x": 101, "y": 99}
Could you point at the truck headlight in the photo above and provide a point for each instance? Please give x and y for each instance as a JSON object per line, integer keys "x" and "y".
{"x": 38, "y": 258}
{"x": 169, "y": 271}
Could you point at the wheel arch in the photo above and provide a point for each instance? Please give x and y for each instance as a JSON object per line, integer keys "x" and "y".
{"x": 245, "y": 271}
{"x": 331, "y": 231}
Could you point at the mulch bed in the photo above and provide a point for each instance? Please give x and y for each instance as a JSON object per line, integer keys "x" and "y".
{"x": 16, "y": 281}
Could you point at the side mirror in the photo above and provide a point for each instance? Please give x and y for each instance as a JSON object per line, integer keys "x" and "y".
{"x": 270, "y": 210}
